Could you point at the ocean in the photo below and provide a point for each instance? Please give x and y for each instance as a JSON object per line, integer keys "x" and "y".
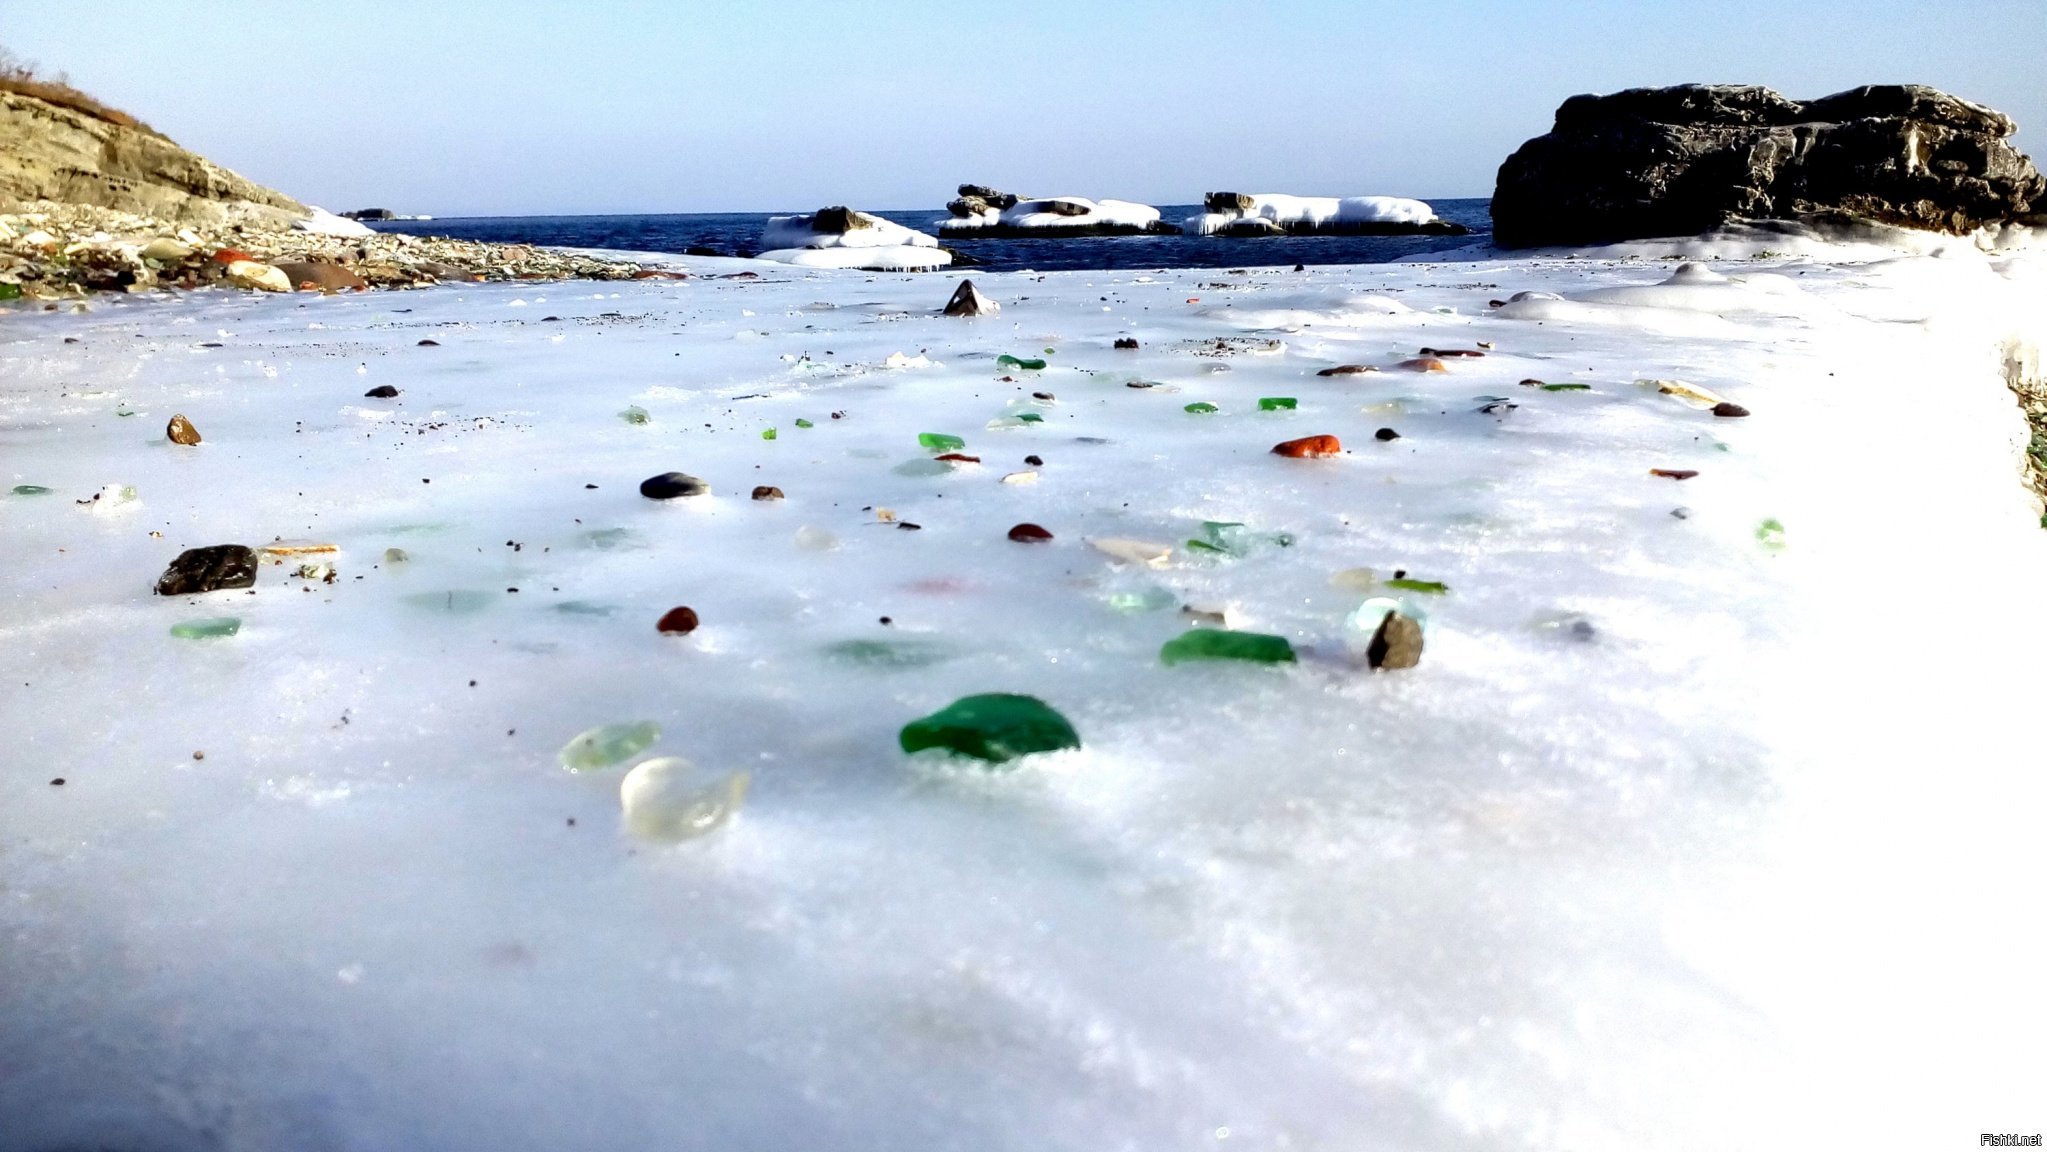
{"x": 738, "y": 233}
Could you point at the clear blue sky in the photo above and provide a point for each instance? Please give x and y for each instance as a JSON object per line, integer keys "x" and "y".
{"x": 515, "y": 107}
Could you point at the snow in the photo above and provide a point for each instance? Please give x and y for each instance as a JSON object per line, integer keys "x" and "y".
{"x": 1745, "y": 853}
{"x": 1316, "y": 212}
{"x": 881, "y": 246}
{"x": 891, "y": 258}
{"x": 1031, "y": 214}
{"x": 328, "y": 224}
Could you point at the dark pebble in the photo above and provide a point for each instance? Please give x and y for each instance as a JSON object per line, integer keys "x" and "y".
{"x": 678, "y": 620}
{"x": 1034, "y": 461}
{"x": 382, "y": 392}
{"x": 429, "y": 344}
{"x": 1041, "y": 396}
{"x": 208, "y": 570}
{"x": 767, "y": 492}
{"x": 906, "y": 526}
{"x": 669, "y": 485}
{"x": 1729, "y": 408}
{"x": 1674, "y": 473}
{"x": 1385, "y": 434}
{"x": 59, "y": 782}
{"x": 1126, "y": 342}
{"x": 1397, "y": 643}
{"x": 1028, "y": 534}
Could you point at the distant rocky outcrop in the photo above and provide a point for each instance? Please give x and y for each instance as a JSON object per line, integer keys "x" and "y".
{"x": 1241, "y": 214}
{"x": 50, "y": 152}
{"x": 1680, "y": 161}
{"x": 982, "y": 213}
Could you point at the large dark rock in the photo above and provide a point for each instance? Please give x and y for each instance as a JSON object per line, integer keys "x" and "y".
{"x": 988, "y": 195}
{"x": 208, "y": 570}
{"x": 1680, "y": 161}
{"x": 838, "y": 220}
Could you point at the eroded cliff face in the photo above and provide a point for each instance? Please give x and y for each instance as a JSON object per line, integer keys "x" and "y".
{"x": 1652, "y": 162}
{"x": 52, "y": 153}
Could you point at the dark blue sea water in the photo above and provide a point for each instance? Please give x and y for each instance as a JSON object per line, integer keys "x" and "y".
{"x": 738, "y": 233}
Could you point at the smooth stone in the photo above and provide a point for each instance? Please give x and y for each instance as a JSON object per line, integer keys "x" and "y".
{"x": 670, "y": 485}
{"x": 996, "y": 727}
{"x": 180, "y": 430}
{"x": 382, "y": 392}
{"x": 1029, "y": 534}
{"x": 767, "y": 492}
{"x": 1729, "y": 408}
{"x": 1128, "y": 551}
{"x": 659, "y": 802}
{"x": 1347, "y": 370}
{"x": 319, "y": 276}
{"x": 1385, "y": 434}
{"x": 608, "y": 744}
{"x": 1397, "y": 643}
{"x": 1308, "y": 446}
{"x": 968, "y": 300}
{"x": 679, "y": 621}
{"x": 1424, "y": 364}
{"x": 211, "y": 569}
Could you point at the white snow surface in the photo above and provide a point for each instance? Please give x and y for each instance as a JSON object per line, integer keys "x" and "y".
{"x": 1749, "y": 860}
{"x": 1030, "y": 213}
{"x": 1318, "y": 210}
{"x": 871, "y": 258}
{"x": 328, "y": 224}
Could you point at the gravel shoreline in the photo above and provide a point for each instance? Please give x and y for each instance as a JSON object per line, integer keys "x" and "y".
{"x": 51, "y": 251}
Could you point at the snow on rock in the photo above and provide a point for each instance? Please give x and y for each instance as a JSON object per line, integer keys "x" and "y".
{"x": 1274, "y": 214}
{"x": 983, "y": 212}
{"x": 843, "y": 238}
{"x": 1710, "y": 807}
{"x": 326, "y": 223}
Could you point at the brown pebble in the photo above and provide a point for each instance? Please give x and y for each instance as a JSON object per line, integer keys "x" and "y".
{"x": 1041, "y": 396}
{"x": 180, "y": 430}
{"x": 382, "y": 392}
{"x": 760, "y": 492}
{"x": 678, "y": 620}
{"x": 1397, "y": 643}
{"x": 1531, "y": 382}
{"x": 1385, "y": 434}
{"x": 1308, "y": 446}
{"x": 198, "y": 755}
{"x": 429, "y": 344}
{"x": 1347, "y": 370}
{"x": 59, "y": 782}
{"x": 1729, "y": 408}
{"x": 1451, "y": 352}
{"x": 1028, "y": 534}
{"x": 1674, "y": 473}
{"x": 1424, "y": 364}
{"x": 958, "y": 458}
{"x": 1034, "y": 461}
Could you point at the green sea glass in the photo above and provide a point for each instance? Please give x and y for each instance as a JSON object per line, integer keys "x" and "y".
{"x": 1432, "y": 587}
{"x": 997, "y": 727}
{"x": 608, "y": 744}
{"x": 1007, "y": 361}
{"x": 940, "y": 442}
{"x": 1216, "y": 644}
{"x": 802, "y": 423}
{"x": 635, "y": 415}
{"x": 1030, "y": 417}
{"x": 887, "y": 653}
{"x": 1567, "y": 387}
{"x": 30, "y": 490}
{"x": 1277, "y": 403}
{"x": 206, "y": 627}
{"x": 1770, "y": 533}
{"x": 1202, "y": 406}
{"x": 767, "y": 433}
{"x": 10, "y": 291}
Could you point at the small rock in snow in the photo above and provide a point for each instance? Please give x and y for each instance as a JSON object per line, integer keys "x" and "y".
{"x": 669, "y": 485}
{"x": 1347, "y": 370}
{"x": 208, "y": 569}
{"x": 680, "y": 621}
{"x": 1425, "y": 364}
{"x": 1397, "y": 643}
{"x": 1126, "y": 342}
{"x": 1385, "y": 434}
{"x": 382, "y": 392}
{"x": 1028, "y": 533}
{"x": 968, "y": 300}
{"x": 180, "y": 430}
{"x": 1308, "y": 446}
{"x": 767, "y": 492}
{"x": 1729, "y": 408}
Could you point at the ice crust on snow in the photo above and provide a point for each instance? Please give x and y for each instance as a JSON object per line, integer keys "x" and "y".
{"x": 1316, "y": 211}
{"x": 878, "y": 245}
{"x": 1675, "y": 836}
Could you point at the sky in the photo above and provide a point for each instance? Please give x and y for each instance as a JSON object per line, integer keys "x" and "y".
{"x": 521, "y": 107}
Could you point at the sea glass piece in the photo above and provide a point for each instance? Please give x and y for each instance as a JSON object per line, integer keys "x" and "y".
{"x": 1567, "y": 387}
{"x": 661, "y": 803}
{"x": 802, "y": 423}
{"x": 1770, "y": 533}
{"x": 1277, "y": 403}
{"x": 1216, "y": 644}
{"x": 767, "y": 433}
{"x": 905, "y": 653}
{"x": 1007, "y": 361}
{"x": 940, "y": 442}
{"x": 30, "y": 490}
{"x": 456, "y": 601}
{"x": 996, "y": 727}
{"x": 1432, "y": 587}
{"x": 1143, "y": 600}
{"x": 608, "y": 744}
{"x": 635, "y": 415}
{"x": 1200, "y": 406}
{"x": 206, "y": 627}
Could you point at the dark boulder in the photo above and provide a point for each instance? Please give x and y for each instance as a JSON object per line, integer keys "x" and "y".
{"x": 968, "y": 207}
{"x": 1226, "y": 202}
{"x": 987, "y": 195}
{"x": 837, "y": 220}
{"x": 1680, "y": 161}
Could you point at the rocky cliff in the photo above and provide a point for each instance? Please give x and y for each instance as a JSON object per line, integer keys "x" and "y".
{"x": 53, "y": 153}
{"x": 1679, "y": 161}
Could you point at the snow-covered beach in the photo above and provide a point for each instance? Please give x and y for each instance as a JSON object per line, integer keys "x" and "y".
{"x": 1697, "y": 820}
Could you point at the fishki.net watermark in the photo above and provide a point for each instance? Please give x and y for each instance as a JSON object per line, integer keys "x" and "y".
{"x": 2009, "y": 1140}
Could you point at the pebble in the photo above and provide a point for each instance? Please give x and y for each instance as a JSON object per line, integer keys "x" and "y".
{"x": 1689, "y": 393}
{"x": 669, "y": 485}
{"x": 659, "y": 803}
{"x": 1385, "y": 434}
{"x": 396, "y": 556}
{"x": 320, "y": 276}
{"x": 959, "y": 458}
{"x": 429, "y": 344}
{"x": 767, "y": 492}
{"x": 1424, "y": 364}
{"x": 968, "y": 300}
{"x": 1020, "y": 478}
{"x": 1451, "y": 352}
{"x": 1674, "y": 473}
{"x": 382, "y": 392}
{"x": 679, "y": 621}
{"x": 1126, "y": 342}
{"x": 1308, "y": 446}
{"x": 1729, "y": 408}
{"x": 1128, "y": 551}
{"x": 1034, "y": 461}
{"x": 253, "y": 274}
{"x": 180, "y": 430}
{"x": 1028, "y": 534}
{"x": 1397, "y": 643}
{"x": 1347, "y": 370}
{"x": 208, "y": 570}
